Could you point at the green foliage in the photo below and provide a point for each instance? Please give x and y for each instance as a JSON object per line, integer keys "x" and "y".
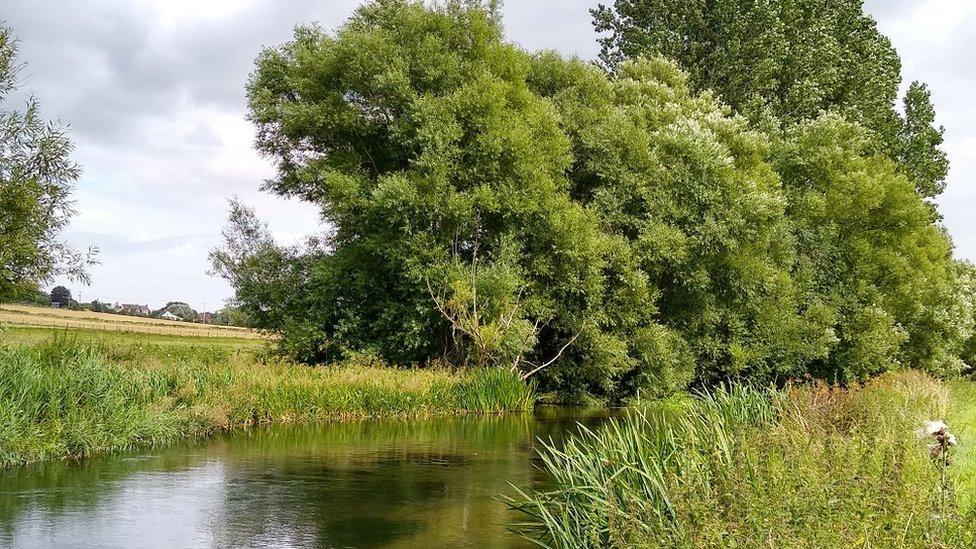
{"x": 965, "y": 311}
{"x": 178, "y": 308}
{"x": 871, "y": 258}
{"x": 426, "y": 150}
{"x": 484, "y": 308}
{"x": 925, "y": 162}
{"x": 783, "y": 63}
{"x": 805, "y": 467}
{"x": 790, "y": 60}
{"x": 99, "y": 307}
{"x": 266, "y": 277}
{"x": 611, "y": 234}
{"x": 232, "y": 315}
{"x": 62, "y": 295}
{"x": 697, "y": 214}
{"x": 36, "y": 179}
{"x": 37, "y": 298}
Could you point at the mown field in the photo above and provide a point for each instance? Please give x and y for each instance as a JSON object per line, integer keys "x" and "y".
{"x": 24, "y": 315}
{"x": 26, "y": 335}
{"x": 71, "y": 394}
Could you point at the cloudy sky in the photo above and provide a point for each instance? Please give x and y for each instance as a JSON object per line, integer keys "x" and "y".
{"x": 154, "y": 93}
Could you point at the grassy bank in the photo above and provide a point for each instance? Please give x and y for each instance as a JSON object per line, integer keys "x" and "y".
{"x": 809, "y": 466}
{"x": 70, "y": 398}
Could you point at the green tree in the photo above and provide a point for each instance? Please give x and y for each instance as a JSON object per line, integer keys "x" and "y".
{"x": 232, "y": 315}
{"x": 270, "y": 281}
{"x": 871, "y": 254}
{"x": 966, "y": 311}
{"x": 791, "y": 60}
{"x": 415, "y": 131}
{"x": 782, "y": 63}
{"x": 37, "y": 298}
{"x": 611, "y": 234}
{"x": 61, "y": 295}
{"x": 180, "y": 309}
{"x": 36, "y": 181}
{"x": 925, "y": 162}
{"x": 99, "y": 307}
{"x": 688, "y": 192}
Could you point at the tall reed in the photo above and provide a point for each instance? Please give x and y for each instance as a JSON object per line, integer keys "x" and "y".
{"x": 809, "y": 466}
{"x": 68, "y": 399}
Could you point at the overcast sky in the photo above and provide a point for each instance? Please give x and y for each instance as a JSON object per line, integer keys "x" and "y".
{"x": 154, "y": 93}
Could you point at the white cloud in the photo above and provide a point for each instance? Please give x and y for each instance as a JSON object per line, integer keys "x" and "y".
{"x": 174, "y": 10}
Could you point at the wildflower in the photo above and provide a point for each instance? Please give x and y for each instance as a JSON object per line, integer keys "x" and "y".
{"x": 930, "y": 428}
{"x": 939, "y": 431}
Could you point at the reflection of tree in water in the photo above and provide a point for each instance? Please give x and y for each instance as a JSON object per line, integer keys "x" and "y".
{"x": 373, "y": 484}
{"x": 361, "y": 484}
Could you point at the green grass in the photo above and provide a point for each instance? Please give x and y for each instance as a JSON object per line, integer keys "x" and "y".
{"x": 809, "y": 466}
{"x": 71, "y": 397}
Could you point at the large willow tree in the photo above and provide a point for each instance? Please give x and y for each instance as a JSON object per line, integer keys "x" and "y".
{"x": 610, "y": 233}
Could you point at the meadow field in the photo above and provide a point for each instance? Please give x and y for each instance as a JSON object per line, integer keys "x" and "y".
{"x": 25, "y": 315}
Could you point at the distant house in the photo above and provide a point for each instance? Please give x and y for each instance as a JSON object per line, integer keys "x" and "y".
{"x": 129, "y": 309}
{"x": 169, "y": 316}
{"x": 206, "y": 318}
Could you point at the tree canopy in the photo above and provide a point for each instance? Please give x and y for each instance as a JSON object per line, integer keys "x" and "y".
{"x": 62, "y": 295}
{"x": 786, "y": 62}
{"x": 178, "y": 308}
{"x": 610, "y": 233}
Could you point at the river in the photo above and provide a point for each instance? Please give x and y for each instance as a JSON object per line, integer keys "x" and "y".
{"x": 393, "y": 484}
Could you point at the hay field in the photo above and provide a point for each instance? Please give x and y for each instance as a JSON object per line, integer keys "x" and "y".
{"x": 23, "y": 315}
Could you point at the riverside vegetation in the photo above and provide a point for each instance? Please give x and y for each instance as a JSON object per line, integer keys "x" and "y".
{"x": 68, "y": 397}
{"x": 679, "y": 217}
{"x": 807, "y": 466}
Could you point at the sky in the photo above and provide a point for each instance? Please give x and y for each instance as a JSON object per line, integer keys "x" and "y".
{"x": 153, "y": 92}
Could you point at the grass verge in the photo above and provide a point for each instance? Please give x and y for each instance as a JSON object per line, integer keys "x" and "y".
{"x": 64, "y": 398}
{"x": 809, "y": 466}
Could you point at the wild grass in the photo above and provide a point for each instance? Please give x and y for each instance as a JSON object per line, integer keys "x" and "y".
{"x": 808, "y": 466}
{"x": 65, "y": 398}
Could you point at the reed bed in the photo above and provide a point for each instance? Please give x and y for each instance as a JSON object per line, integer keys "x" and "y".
{"x": 64, "y": 398}
{"x": 809, "y": 466}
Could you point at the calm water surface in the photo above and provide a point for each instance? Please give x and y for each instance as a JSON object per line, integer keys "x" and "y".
{"x": 429, "y": 483}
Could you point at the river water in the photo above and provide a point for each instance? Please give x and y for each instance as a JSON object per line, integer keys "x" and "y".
{"x": 430, "y": 483}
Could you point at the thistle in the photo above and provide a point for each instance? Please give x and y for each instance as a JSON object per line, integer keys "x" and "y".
{"x": 943, "y": 441}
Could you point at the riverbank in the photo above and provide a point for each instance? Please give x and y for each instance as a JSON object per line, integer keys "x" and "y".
{"x": 809, "y": 466}
{"x": 68, "y": 397}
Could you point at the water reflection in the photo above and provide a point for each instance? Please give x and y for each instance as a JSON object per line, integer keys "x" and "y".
{"x": 360, "y": 484}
